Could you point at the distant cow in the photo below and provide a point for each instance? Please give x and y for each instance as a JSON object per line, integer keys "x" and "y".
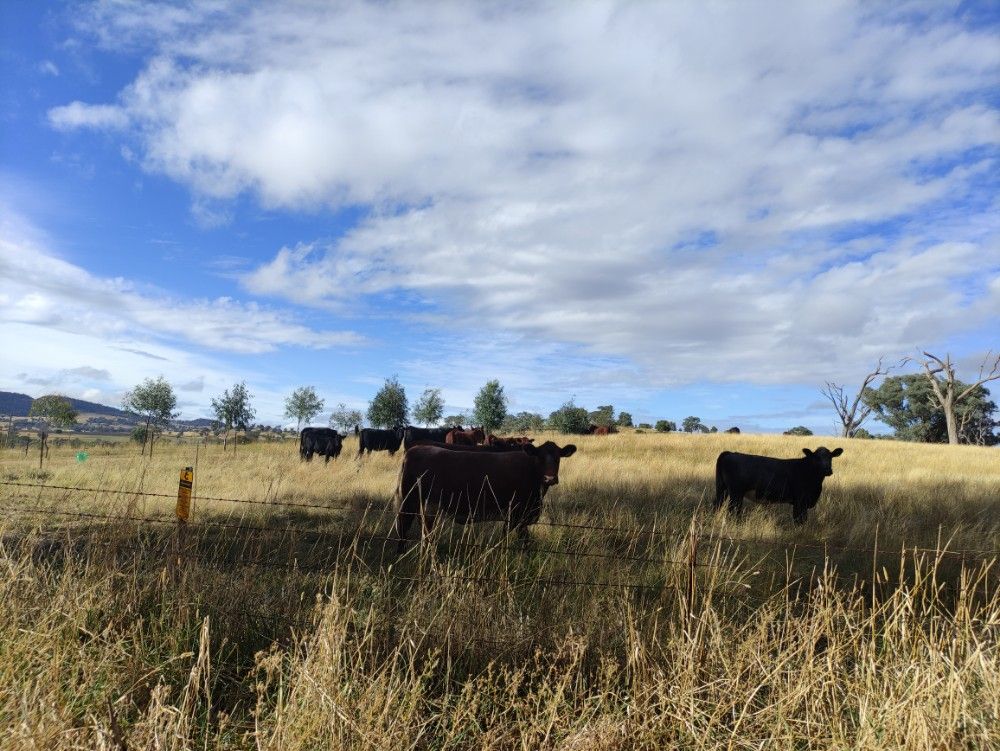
{"x": 475, "y": 486}
{"x": 733, "y": 430}
{"x": 493, "y": 440}
{"x": 414, "y": 435}
{"x": 372, "y": 439}
{"x": 323, "y": 441}
{"x": 469, "y": 437}
{"x": 795, "y": 481}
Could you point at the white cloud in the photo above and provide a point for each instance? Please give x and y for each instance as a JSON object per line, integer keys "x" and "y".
{"x": 49, "y": 68}
{"x": 44, "y": 290}
{"x": 81, "y": 115}
{"x": 660, "y": 183}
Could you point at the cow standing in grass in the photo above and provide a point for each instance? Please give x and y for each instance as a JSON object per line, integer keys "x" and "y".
{"x": 372, "y": 439}
{"x": 323, "y": 441}
{"x": 477, "y": 485}
{"x": 795, "y": 481}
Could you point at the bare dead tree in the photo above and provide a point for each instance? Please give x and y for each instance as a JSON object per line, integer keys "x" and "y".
{"x": 853, "y": 412}
{"x": 945, "y": 387}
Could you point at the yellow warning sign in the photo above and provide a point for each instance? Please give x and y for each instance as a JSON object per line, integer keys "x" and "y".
{"x": 184, "y": 493}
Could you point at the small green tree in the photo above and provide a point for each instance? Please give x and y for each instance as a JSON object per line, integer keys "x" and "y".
{"x": 462, "y": 420}
{"x": 570, "y": 418}
{"x": 429, "y": 407}
{"x": 303, "y": 405}
{"x": 233, "y": 411}
{"x": 664, "y": 426}
{"x": 604, "y": 416}
{"x": 693, "y": 424}
{"x": 154, "y": 401}
{"x": 345, "y": 418}
{"x": 624, "y": 420}
{"x": 389, "y": 407}
{"x": 798, "y": 430}
{"x": 55, "y": 411}
{"x": 490, "y": 406}
{"x": 522, "y": 422}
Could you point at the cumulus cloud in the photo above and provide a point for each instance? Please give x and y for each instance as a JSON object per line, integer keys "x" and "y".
{"x": 768, "y": 193}
{"x": 47, "y": 291}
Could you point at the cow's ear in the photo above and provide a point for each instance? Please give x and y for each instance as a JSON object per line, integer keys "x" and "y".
{"x": 567, "y": 450}
{"x": 836, "y": 452}
{"x": 529, "y": 449}
{"x": 807, "y": 452}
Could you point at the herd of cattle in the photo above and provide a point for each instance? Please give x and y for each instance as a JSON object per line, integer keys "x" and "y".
{"x": 473, "y": 476}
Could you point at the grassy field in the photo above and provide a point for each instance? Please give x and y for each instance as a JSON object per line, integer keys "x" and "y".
{"x": 296, "y": 627}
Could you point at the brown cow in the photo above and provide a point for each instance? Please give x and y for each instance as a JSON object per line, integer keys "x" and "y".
{"x": 602, "y": 430}
{"x": 493, "y": 440}
{"x": 475, "y": 486}
{"x": 470, "y": 437}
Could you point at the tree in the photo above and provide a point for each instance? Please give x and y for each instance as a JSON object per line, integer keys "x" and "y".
{"x": 429, "y": 407}
{"x": 853, "y": 411}
{"x": 523, "y": 422}
{"x": 55, "y": 411}
{"x": 624, "y": 420}
{"x": 692, "y": 424}
{"x": 798, "y": 430}
{"x": 344, "y": 418}
{"x": 664, "y": 426}
{"x": 456, "y": 420}
{"x": 154, "y": 400}
{"x": 909, "y": 406}
{"x": 303, "y": 405}
{"x": 233, "y": 411}
{"x": 570, "y": 419}
{"x": 389, "y": 407}
{"x": 950, "y": 392}
{"x": 604, "y": 416}
{"x": 490, "y": 406}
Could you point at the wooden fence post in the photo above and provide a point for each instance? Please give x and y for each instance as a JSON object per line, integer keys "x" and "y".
{"x": 183, "y": 513}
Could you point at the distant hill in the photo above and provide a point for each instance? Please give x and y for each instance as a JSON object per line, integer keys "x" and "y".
{"x": 19, "y": 405}
{"x": 12, "y": 403}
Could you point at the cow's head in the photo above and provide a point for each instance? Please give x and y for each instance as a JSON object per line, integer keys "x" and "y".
{"x": 548, "y": 456}
{"x": 822, "y": 458}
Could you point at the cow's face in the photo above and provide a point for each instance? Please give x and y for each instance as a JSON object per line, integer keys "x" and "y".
{"x": 548, "y": 456}
{"x": 822, "y": 458}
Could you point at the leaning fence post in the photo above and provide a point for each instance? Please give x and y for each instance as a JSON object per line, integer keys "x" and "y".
{"x": 692, "y": 566}
{"x": 183, "y": 513}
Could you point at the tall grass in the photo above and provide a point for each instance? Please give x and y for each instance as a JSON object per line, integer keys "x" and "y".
{"x": 293, "y": 628}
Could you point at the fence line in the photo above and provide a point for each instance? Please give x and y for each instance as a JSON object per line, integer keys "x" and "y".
{"x": 825, "y": 546}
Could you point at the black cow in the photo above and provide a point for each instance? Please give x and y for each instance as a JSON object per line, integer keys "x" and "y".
{"x": 373, "y": 439}
{"x": 795, "y": 481}
{"x": 475, "y": 485}
{"x": 734, "y": 430}
{"x": 414, "y": 435}
{"x": 323, "y": 441}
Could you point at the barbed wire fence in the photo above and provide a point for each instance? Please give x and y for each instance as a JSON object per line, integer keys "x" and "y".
{"x": 696, "y": 540}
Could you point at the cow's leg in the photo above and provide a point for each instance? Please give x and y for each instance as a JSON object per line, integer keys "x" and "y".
{"x": 735, "y": 501}
{"x": 800, "y": 511}
{"x": 409, "y": 507}
{"x": 720, "y": 492}
{"x": 326, "y": 458}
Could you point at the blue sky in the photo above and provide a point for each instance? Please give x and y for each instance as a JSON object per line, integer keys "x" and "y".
{"x": 673, "y": 208}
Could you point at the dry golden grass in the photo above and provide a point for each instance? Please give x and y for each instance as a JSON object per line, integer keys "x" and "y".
{"x": 479, "y": 641}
